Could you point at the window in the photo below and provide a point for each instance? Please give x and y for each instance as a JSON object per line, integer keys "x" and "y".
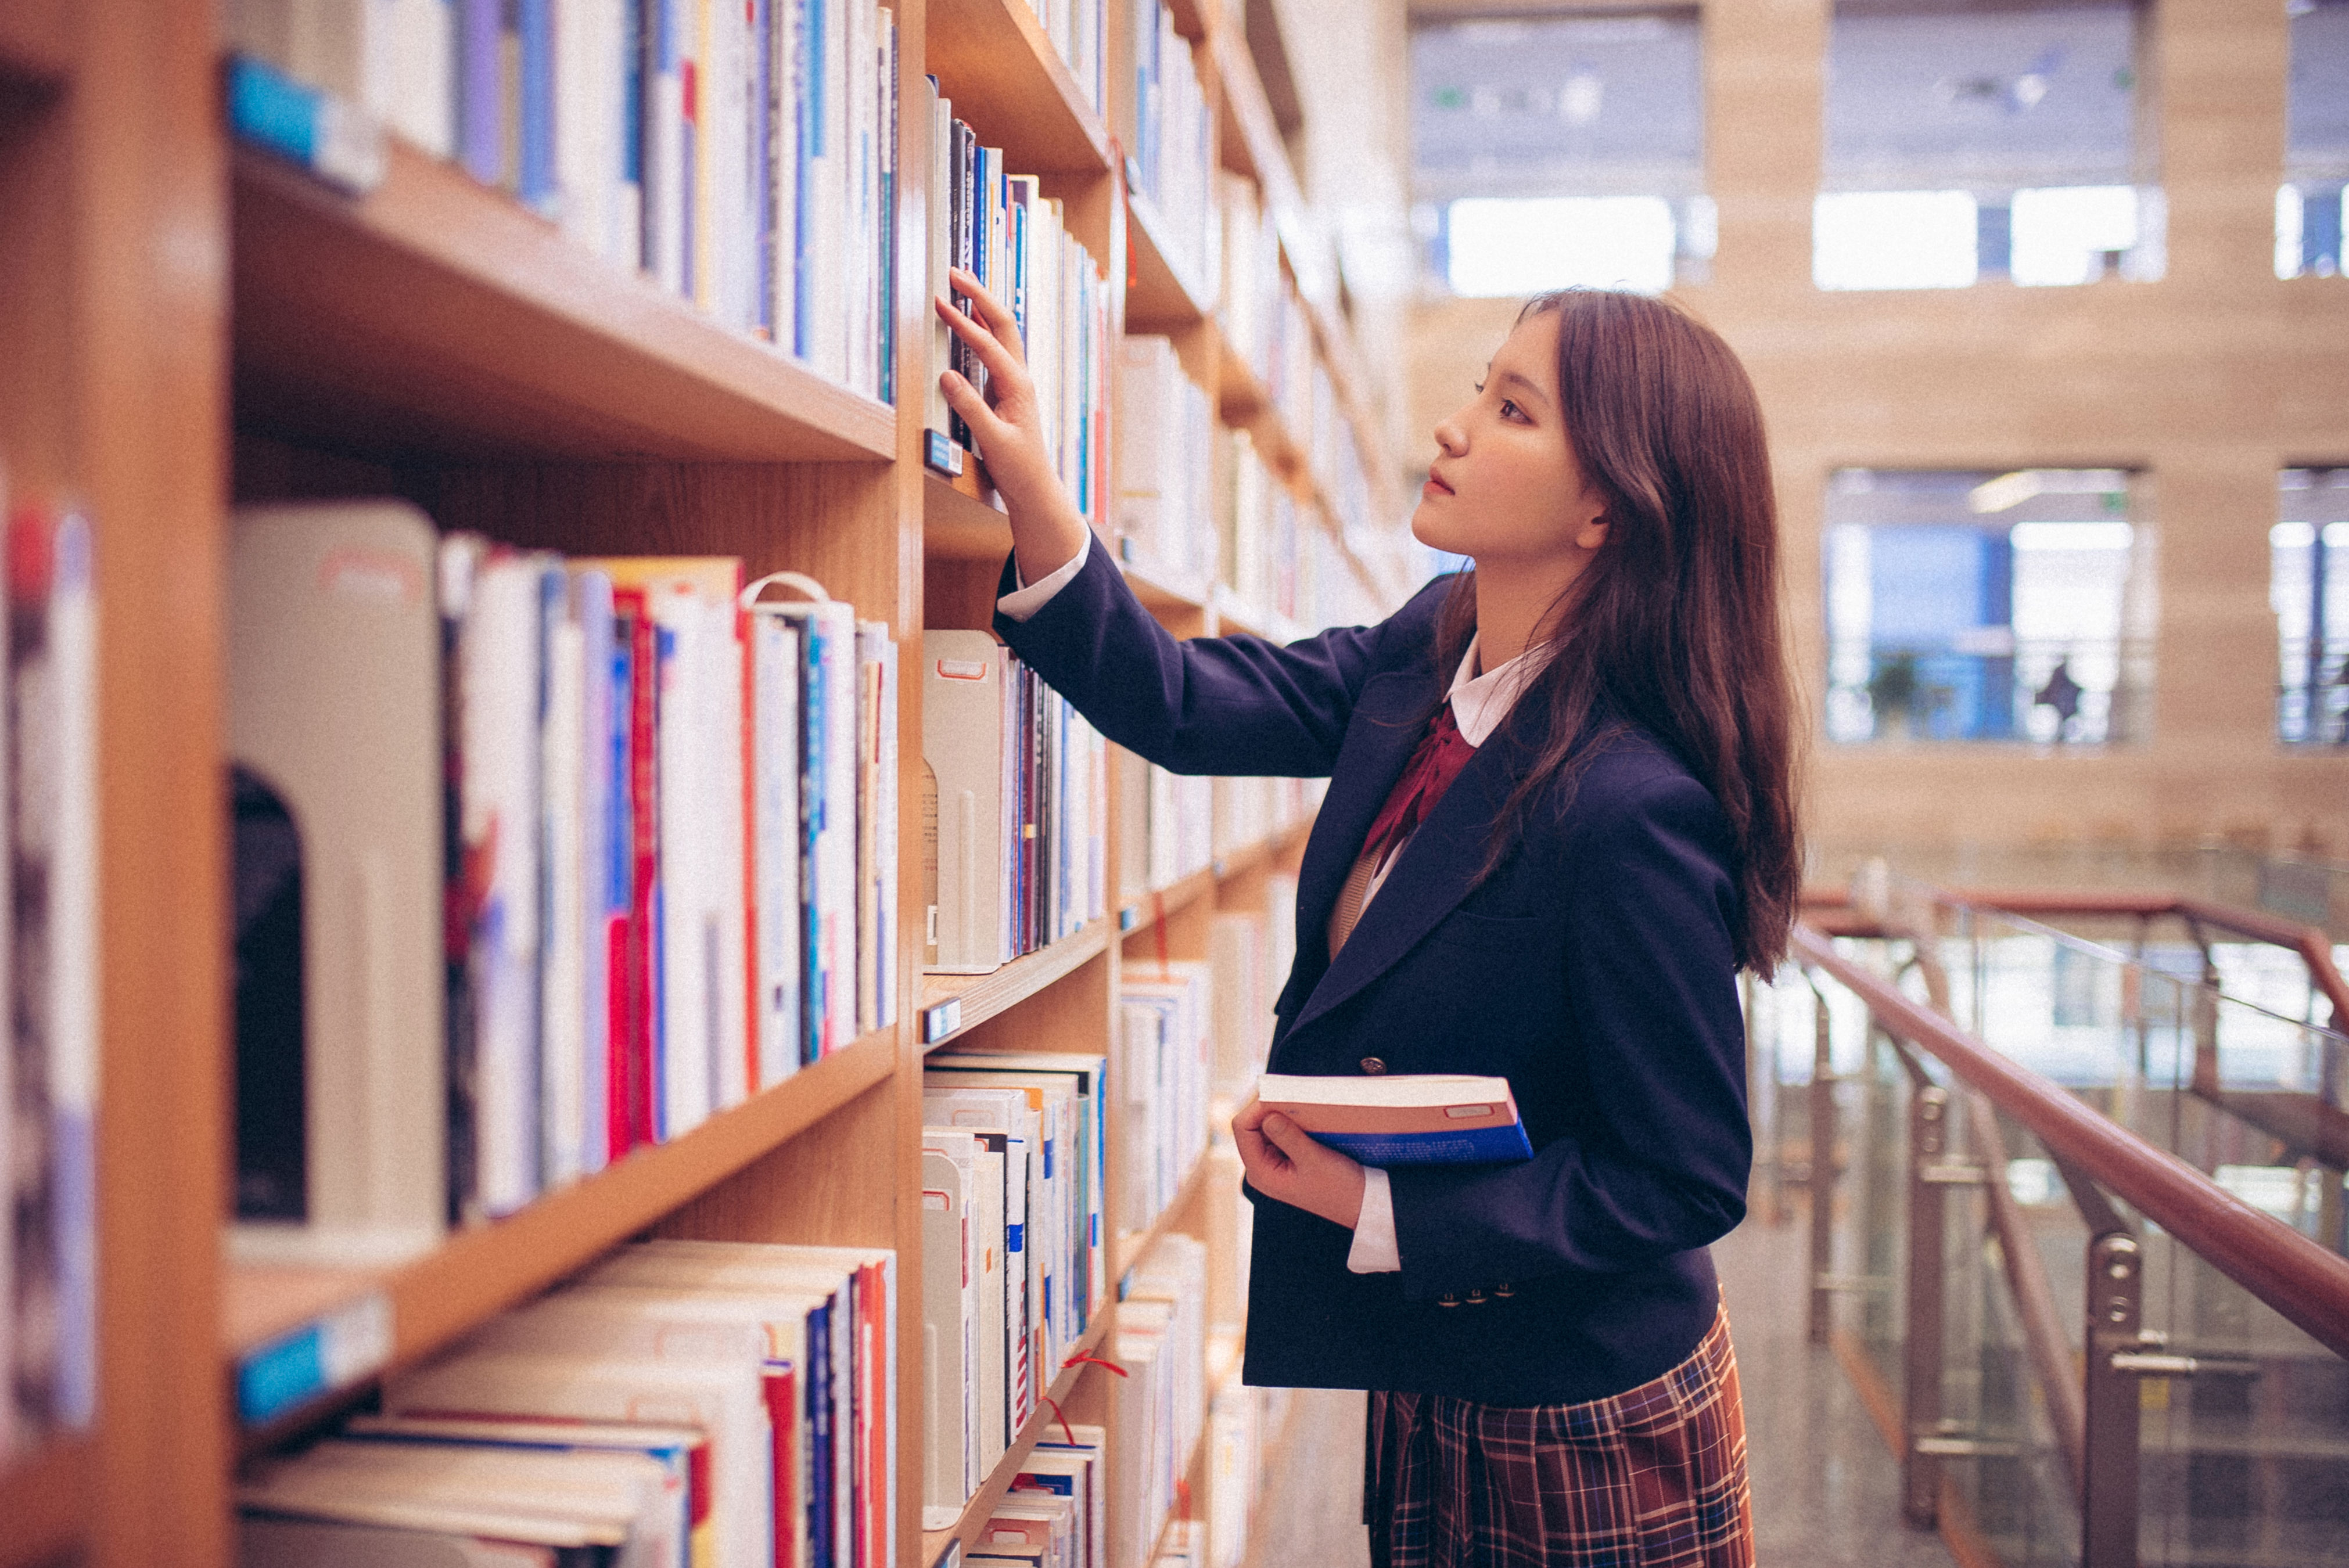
{"x": 1554, "y": 151}
{"x": 2316, "y": 141}
{"x": 1979, "y": 606}
{"x": 1998, "y": 142}
{"x": 2308, "y": 581}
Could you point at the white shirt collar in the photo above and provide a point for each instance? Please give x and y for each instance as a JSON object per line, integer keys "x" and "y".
{"x": 1479, "y": 702}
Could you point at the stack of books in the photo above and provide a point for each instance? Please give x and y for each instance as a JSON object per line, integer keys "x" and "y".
{"x": 1165, "y": 463}
{"x": 1018, "y": 786}
{"x": 744, "y": 156}
{"x": 587, "y": 851}
{"x": 1056, "y": 1513}
{"x": 681, "y": 1403}
{"x": 1165, "y": 826}
{"x": 1162, "y": 1070}
{"x": 48, "y": 929}
{"x": 1014, "y": 1174}
{"x": 1174, "y": 142}
{"x": 1002, "y": 228}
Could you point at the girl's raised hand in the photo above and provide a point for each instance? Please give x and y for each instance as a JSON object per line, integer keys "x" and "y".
{"x": 1285, "y": 1162}
{"x": 1047, "y": 529}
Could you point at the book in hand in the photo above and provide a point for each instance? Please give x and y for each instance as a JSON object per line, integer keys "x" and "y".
{"x": 1406, "y": 1119}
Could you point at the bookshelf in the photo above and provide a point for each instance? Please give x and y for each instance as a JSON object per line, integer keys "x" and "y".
{"x": 187, "y": 324}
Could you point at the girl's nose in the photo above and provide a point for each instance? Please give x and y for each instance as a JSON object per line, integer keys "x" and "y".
{"x": 1448, "y": 439}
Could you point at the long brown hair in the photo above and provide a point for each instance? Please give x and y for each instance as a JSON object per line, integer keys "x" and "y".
{"x": 1674, "y": 626}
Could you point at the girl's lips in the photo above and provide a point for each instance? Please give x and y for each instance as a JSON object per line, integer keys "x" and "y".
{"x": 1434, "y": 487}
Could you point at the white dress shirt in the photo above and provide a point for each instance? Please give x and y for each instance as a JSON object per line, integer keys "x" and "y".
{"x": 1479, "y": 704}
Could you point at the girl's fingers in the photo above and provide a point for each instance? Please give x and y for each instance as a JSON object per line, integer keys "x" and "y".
{"x": 999, "y": 360}
{"x": 986, "y": 307}
{"x": 987, "y": 425}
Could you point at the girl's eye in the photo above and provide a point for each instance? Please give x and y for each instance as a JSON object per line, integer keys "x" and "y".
{"x": 1509, "y": 410}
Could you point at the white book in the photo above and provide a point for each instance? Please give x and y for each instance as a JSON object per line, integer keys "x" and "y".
{"x": 602, "y": 857}
{"x": 665, "y": 171}
{"x": 860, "y": 257}
{"x": 828, "y": 808}
{"x": 500, "y": 667}
{"x": 831, "y": 170}
{"x": 951, "y": 1327}
{"x": 563, "y": 959}
{"x": 936, "y": 416}
{"x": 395, "y": 58}
{"x": 1085, "y": 1076}
{"x": 775, "y": 661}
{"x": 268, "y": 1541}
{"x": 585, "y": 1487}
{"x": 967, "y": 704}
{"x": 726, "y": 1401}
{"x": 589, "y": 115}
{"x": 723, "y": 699}
{"x": 691, "y": 869}
{"x": 787, "y": 21}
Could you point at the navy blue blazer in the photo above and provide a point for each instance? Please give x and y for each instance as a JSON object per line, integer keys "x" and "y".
{"x": 1594, "y": 969}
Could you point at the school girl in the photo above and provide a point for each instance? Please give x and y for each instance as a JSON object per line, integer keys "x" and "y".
{"x": 1560, "y": 817}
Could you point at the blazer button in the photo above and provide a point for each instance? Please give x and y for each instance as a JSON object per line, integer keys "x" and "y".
{"x": 1373, "y": 1066}
{"x": 1447, "y": 1299}
{"x": 1504, "y": 1290}
{"x": 1475, "y": 1298}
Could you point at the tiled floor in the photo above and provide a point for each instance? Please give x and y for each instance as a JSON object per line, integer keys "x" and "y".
{"x": 1826, "y": 1490}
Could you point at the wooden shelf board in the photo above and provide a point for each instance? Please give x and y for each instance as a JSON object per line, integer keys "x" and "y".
{"x": 982, "y": 1504}
{"x": 1143, "y": 912}
{"x": 1186, "y": 1507}
{"x": 45, "y": 1503}
{"x": 995, "y": 62}
{"x": 1159, "y": 295}
{"x": 975, "y": 998}
{"x": 437, "y": 317}
{"x": 958, "y": 525}
{"x": 479, "y": 1272}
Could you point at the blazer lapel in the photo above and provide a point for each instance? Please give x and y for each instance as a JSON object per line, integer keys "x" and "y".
{"x": 1435, "y": 871}
{"x": 1379, "y": 737}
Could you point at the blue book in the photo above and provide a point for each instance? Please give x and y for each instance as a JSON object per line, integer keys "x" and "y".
{"x": 535, "y": 181}
{"x": 1405, "y": 1119}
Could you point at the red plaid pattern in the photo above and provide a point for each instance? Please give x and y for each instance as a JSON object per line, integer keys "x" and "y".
{"x": 1654, "y": 1478}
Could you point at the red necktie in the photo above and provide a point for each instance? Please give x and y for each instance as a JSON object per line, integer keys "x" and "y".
{"x": 1437, "y": 761}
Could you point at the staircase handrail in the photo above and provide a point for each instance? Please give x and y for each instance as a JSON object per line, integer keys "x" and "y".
{"x": 2301, "y": 1280}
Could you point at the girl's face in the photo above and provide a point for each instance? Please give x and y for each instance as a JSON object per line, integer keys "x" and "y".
{"x": 1507, "y": 490}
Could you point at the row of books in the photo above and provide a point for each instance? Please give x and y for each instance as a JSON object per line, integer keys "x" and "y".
{"x": 1259, "y": 526}
{"x": 1002, "y": 228}
{"x": 539, "y": 860}
{"x": 1014, "y": 1176}
{"x": 1078, "y": 30}
{"x": 1161, "y": 1402}
{"x": 1173, "y": 160}
{"x": 1172, "y": 825}
{"x": 1242, "y": 1423}
{"x": 742, "y": 155}
{"x": 1162, "y": 1072}
{"x": 1248, "y": 955}
{"x": 680, "y": 1404}
{"x": 1248, "y": 300}
{"x": 1165, "y": 462}
{"x": 48, "y": 973}
{"x": 1015, "y": 807}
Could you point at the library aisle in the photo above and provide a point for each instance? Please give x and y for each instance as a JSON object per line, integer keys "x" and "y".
{"x": 568, "y": 993}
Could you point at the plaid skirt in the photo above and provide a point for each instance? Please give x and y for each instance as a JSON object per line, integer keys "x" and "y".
{"x": 1654, "y": 1478}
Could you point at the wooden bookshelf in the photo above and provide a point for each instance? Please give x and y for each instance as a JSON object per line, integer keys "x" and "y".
{"x": 183, "y": 321}
{"x": 44, "y": 1497}
{"x": 982, "y": 1503}
{"x": 1161, "y": 294}
{"x": 952, "y": 1003}
{"x": 994, "y": 60}
{"x": 479, "y": 1273}
{"x": 437, "y": 316}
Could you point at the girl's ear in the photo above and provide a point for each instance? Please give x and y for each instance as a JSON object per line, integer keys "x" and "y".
{"x": 1591, "y": 534}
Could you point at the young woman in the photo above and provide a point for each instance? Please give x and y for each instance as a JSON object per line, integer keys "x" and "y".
{"x": 1559, "y": 819}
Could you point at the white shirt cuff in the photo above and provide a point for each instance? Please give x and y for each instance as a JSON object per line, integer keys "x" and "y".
{"x": 1031, "y": 597}
{"x": 1374, "y": 1250}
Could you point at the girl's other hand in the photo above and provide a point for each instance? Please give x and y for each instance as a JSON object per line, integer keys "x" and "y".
{"x": 1285, "y": 1162}
{"x": 1008, "y": 423}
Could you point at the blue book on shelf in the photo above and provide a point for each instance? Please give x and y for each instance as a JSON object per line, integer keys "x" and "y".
{"x": 1405, "y": 1119}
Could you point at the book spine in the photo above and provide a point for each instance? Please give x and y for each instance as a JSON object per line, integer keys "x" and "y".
{"x": 535, "y": 180}
{"x": 759, "y": 162}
